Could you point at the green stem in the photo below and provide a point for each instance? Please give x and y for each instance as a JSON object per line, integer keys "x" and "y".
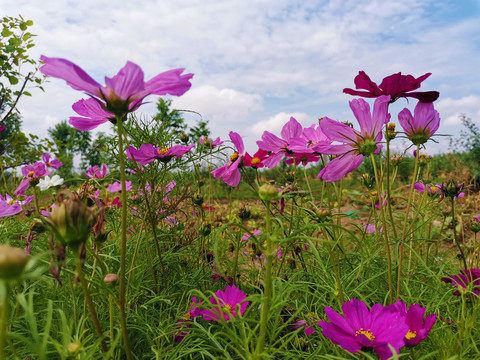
{"x": 405, "y": 223}
{"x": 389, "y": 190}
{"x": 462, "y": 254}
{"x": 385, "y": 231}
{"x": 123, "y": 241}
{"x": 3, "y": 317}
{"x": 88, "y": 299}
{"x": 110, "y": 312}
{"x": 268, "y": 283}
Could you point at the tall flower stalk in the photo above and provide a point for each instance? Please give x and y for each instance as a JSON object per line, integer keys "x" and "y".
{"x": 123, "y": 241}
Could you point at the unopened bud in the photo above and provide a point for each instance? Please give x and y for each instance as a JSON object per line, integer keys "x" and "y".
{"x": 12, "y": 262}
{"x": 268, "y": 192}
{"x": 184, "y": 138}
{"x": 71, "y": 220}
{"x": 110, "y": 279}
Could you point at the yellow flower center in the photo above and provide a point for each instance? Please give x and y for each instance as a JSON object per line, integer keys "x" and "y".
{"x": 227, "y": 308}
{"x": 30, "y": 173}
{"x": 49, "y": 163}
{"x": 11, "y": 202}
{"x": 411, "y": 335}
{"x": 255, "y": 161}
{"x": 367, "y": 333}
{"x": 234, "y": 156}
{"x": 187, "y": 315}
{"x": 162, "y": 150}
{"x": 204, "y": 205}
{"x": 434, "y": 189}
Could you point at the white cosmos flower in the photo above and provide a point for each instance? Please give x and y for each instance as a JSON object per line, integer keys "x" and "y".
{"x": 47, "y": 182}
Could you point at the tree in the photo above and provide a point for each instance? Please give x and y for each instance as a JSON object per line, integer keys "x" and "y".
{"x": 69, "y": 141}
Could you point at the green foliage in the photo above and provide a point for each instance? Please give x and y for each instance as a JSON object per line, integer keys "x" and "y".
{"x": 69, "y": 141}
{"x": 467, "y": 146}
{"x": 14, "y": 45}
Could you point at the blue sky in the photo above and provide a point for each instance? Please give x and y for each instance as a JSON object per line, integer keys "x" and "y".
{"x": 256, "y": 63}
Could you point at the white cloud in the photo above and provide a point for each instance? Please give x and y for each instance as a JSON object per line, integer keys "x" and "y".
{"x": 275, "y": 123}
{"x": 451, "y": 109}
{"x": 221, "y": 106}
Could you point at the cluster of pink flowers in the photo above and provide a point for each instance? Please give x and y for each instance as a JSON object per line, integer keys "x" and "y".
{"x": 330, "y": 137}
{"x": 379, "y": 328}
{"x": 224, "y": 305}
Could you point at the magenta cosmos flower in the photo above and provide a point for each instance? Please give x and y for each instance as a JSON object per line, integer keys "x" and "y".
{"x": 396, "y": 85}
{"x": 51, "y": 163}
{"x": 360, "y": 328}
{"x": 279, "y": 147}
{"x": 116, "y": 187}
{"x": 123, "y": 92}
{"x": 9, "y": 208}
{"x": 148, "y": 153}
{"x": 255, "y": 161}
{"x": 95, "y": 172}
{"x": 229, "y": 303}
{"x": 418, "y": 327}
{"x": 230, "y": 172}
{"x": 466, "y": 280}
{"x": 420, "y": 126}
{"x": 356, "y": 144}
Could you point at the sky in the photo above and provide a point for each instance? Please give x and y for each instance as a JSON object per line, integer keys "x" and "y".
{"x": 257, "y": 63}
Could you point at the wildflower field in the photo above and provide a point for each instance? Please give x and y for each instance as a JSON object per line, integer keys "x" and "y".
{"x": 170, "y": 244}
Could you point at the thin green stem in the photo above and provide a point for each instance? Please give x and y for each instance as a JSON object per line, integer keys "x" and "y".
{"x": 389, "y": 190}
{"x": 88, "y": 299}
{"x": 123, "y": 241}
{"x": 385, "y": 231}
{"x": 462, "y": 254}
{"x": 405, "y": 223}
{"x": 3, "y": 317}
{"x": 267, "y": 292}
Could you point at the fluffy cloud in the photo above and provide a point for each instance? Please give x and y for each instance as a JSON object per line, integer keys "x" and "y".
{"x": 220, "y": 106}
{"x": 451, "y": 109}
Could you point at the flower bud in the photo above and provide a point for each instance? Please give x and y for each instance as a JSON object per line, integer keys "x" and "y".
{"x": 110, "y": 279}
{"x": 268, "y": 192}
{"x": 184, "y": 138}
{"x": 12, "y": 262}
{"x": 396, "y": 159}
{"x": 452, "y": 189}
{"x": 71, "y": 220}
{"x": 390, "y": 132}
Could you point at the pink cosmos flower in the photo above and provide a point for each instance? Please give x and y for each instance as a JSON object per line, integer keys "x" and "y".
{"x": 116, "y": 187}
{"x": 396, "y": 85}
{"x": 209, "y": 142}
{"x": 3, "y": 127}
{"x": 422, "y": 125}
{"x": 464, "y": 281}
{"x": 53, "y": 163}
{"x": 183, "y": 324}
{"x": 277, "y": 146}
{"x": 247, "y": 236}
{"x": 476, "y": 217}
{"x": 92, "y": 114}
{"x": 95, "y": 172}
{"x": 418, "y": 327}
{"x": 35, "y": 171}
{"x": 11, "y": 201}
{"x": 22, "y": 187}
{"x": 230, "y": 172}
{"x": 123, "y": 93}
{"x": 309, "y": 324}
{"x": 371, "y": 228}
{"x": 356, "y": 144}
{"x": 359, "y": 327}
{"x": 431, "y": 189}
{"x": 148, "y": 153}
{"x": 8, "y": 209}
{"x": 229, "y": 303}
{"x": 255, "y": 161}
{"x": 309, "y": 139}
